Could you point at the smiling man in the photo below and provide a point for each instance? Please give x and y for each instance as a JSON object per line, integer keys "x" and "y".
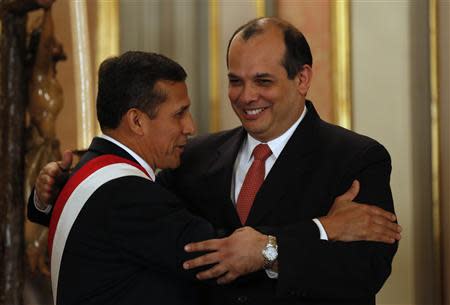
{"x": 115, "y": 236}
{"x": 279, "y": 173}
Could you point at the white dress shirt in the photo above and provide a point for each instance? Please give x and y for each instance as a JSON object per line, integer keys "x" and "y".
{"x": 244, "y": 160}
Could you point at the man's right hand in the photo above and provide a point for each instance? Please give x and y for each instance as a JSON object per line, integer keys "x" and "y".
{"x": 351, "y": 221}
{"x": 50, "y": 178}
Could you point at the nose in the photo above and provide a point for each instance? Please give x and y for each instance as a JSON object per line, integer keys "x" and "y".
{"x": 188, "y": 125}
{"x": 249, "y": 93}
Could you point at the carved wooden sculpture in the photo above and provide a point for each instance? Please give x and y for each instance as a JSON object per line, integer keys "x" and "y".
{"x": 13, "y": 98}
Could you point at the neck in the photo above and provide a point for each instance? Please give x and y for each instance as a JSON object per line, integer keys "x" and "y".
{"x": 131, "y": 142}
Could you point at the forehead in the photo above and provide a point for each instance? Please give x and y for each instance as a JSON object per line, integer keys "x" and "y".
{"x": 176, "y": 92}
{"x": 262, "y": 51}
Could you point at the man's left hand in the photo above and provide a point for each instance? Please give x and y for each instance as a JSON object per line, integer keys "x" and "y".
{"x": 233, "y": 256}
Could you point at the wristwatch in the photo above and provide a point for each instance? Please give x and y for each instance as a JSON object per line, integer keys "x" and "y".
{"x": 270, "y": 252}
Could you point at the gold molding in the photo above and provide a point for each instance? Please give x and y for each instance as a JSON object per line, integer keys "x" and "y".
{"x": 107, "y": 36}
{"x": 107, "y": 32}
{"x": 340, "y": 60}
{"x": 260, "y": 8}
{"x": 214, "y": 83}
{"x": 82, "y": 73}
{"x": 435, "y": 144}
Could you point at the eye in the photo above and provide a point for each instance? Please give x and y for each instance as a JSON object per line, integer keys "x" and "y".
{"x": 264, "y": 81}
{"x": 180, "y": 113}
{"x": 234, "y": 81}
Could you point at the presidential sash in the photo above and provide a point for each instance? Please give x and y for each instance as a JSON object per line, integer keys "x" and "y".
{"x": 73, "y": 197}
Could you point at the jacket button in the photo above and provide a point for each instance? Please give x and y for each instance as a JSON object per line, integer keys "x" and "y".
{"x": 242, "y": 299}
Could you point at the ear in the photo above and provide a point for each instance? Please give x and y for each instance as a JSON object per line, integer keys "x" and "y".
{"x": 304, "y": 77}
{"x": 134, "y": 120}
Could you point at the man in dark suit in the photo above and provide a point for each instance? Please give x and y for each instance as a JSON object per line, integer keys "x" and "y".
{"x": 308, "y": 164}
{"x": 125, "y": 244}
{"x": 269, "y": 70}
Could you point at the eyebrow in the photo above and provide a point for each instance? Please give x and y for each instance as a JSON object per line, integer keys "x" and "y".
{"x": 261, "y": 75}
{"x": 258, "y": 75}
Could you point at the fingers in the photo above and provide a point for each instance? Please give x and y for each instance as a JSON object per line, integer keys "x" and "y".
{"x": 351, "y": 193}
{"x": 389, "y": 229}
{"x": 53, "y": 169}
{"x": 227, "y": 278}
{"x": 207, "y": 259}
{"x": 207, "y": 245}
{"x": 45, "y": 183}
{"x": 214, "y": 272}
{"x": 380, "y": 212}
{"x": 66, "y": 161}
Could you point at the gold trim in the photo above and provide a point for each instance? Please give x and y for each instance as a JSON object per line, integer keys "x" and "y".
{"x": 214, "y": 83}
{"x": 340, "y": 60}
{"x": 435, "y": 144}
{"x": 107, "y": 34}
{"x": 260, "y": 8}
{"x": 82, "y": 73}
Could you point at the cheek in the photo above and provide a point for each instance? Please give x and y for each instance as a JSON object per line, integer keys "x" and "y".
{"x": 233, "y": 94}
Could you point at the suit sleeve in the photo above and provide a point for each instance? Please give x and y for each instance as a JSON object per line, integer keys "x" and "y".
{"x": 151, "y": 227}
{"x": 35, "y": 215}
{"x": 314, "y": 268}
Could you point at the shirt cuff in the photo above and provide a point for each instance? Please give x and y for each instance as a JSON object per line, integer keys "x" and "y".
{"x": 271, "y": 274}
{"x": 323, "y": 233}
{"x": 37, "y": 204}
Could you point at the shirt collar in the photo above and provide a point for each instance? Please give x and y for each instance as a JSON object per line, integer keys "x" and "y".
{"x": 141, "y": 161}
{"x": 276, "y": 145}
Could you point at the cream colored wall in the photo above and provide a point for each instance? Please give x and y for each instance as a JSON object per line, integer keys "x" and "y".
{"x": 232, "y": 15}
{"x": 391, "y": 104}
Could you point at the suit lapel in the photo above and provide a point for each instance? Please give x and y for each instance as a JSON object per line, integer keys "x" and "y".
{"x": 219, "y": 177}
{"x": 290, "y": 170}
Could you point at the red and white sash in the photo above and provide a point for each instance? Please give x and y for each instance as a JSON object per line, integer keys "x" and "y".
{"x": 75, "y": 194}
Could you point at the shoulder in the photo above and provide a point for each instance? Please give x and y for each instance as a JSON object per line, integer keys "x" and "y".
{"x": 135, "y": 189}
{"x": 212, "y": 140}
{"x": 203, "y": 147}
{"x": 336, "y": 139}
{"x": 339, "y": 137}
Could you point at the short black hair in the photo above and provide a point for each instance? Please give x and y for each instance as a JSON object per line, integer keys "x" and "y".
{"x": 298, "y": 52}
{"x": 128, "y": 81}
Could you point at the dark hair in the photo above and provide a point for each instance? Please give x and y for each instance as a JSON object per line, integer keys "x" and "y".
{"x": 297, "y": 51}
{"x": 128, "y": 81}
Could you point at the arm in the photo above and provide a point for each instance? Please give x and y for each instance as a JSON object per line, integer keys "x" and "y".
{"x": 302, "y": 239}
{"x": 150, "y": 226}
{"x": 318, "y": 269}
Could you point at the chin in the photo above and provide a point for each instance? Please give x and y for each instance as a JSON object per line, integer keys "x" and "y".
{"x": 174, "y": 165}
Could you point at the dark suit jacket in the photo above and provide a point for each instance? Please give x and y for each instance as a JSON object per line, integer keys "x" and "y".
{"x": 319, "y": 163}
{"x": 126, "y": 245}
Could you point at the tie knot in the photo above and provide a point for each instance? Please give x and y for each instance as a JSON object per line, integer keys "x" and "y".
{"x": 262, "y": 152}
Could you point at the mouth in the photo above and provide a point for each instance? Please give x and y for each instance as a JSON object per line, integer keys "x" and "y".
{"x": 180, "y": 148}
{"x": 254, "y": 113}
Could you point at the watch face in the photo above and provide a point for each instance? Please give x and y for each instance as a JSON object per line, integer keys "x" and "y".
{"x": 270, "y": 253}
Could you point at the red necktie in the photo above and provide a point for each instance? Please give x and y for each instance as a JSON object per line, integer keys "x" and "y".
{"x": 253, "y": 181}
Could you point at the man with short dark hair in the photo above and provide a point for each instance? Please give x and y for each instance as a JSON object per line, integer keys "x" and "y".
{"x": 115, "y": 236}
{"x": 308, "y": 164}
